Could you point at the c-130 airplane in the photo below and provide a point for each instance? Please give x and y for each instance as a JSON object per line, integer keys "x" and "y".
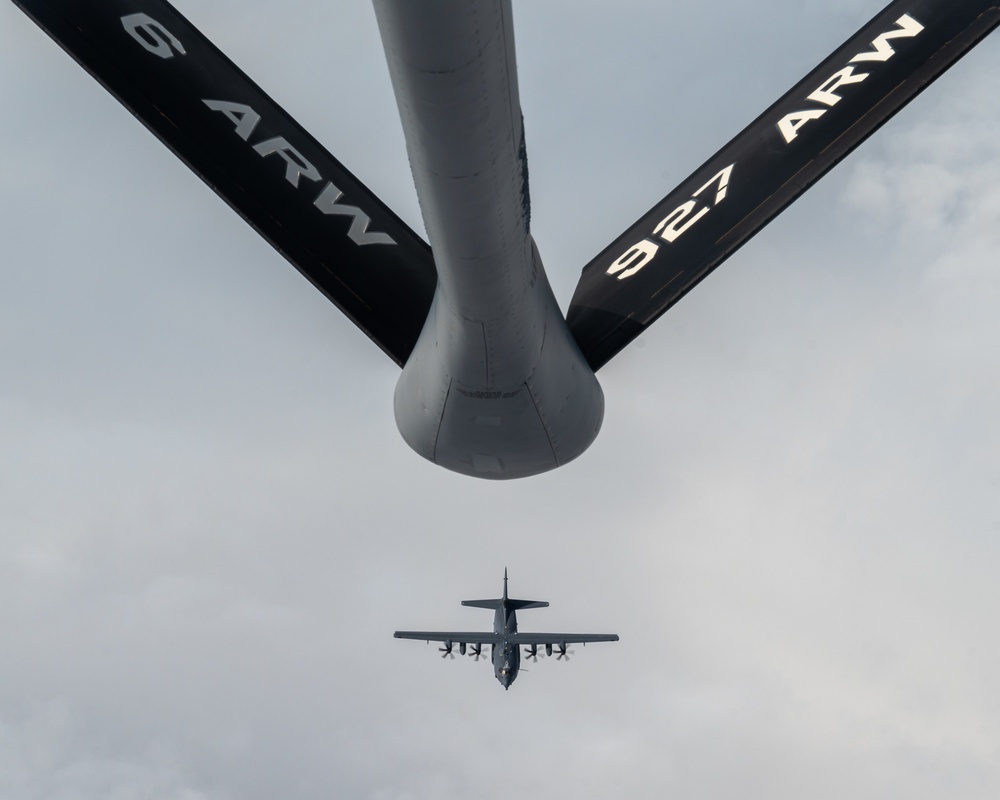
{"x": 495, "y": 382}
{"x": 505, "y": 641}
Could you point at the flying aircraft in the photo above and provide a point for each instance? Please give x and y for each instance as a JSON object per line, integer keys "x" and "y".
{"x": 496, "y": 382}
{"x": 506, "y": 641}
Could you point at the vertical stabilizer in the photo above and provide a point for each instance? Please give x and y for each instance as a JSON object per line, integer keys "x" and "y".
{"x": 514, "y": 605}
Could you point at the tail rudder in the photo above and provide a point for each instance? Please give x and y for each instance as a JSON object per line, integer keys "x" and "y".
{"x": 510, "y": 603}
{"x": 516, "y": 605}
{"x": 494, "y": 604}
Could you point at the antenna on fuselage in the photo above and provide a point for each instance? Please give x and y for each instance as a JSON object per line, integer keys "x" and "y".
{"x": 505, "y": 585}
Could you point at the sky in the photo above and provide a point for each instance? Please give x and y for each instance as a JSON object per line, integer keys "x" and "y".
{"x": 210, "y": 528}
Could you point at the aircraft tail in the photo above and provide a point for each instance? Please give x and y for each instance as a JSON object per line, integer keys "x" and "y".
{"x": 513, "y": 605}
{"x": 493, "y": 604}
{"x": 258, "y": 159}
{"x": 774, "y": 160}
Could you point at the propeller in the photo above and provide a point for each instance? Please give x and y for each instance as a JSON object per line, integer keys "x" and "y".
{"x": 446, "y": 651}
{"x": 564, "y": 653}
{"x": 476, "y": 650}
{"x": 531, "y": 652}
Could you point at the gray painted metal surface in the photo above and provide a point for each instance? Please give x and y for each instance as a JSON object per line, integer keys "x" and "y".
{"x": 496, "y": 386}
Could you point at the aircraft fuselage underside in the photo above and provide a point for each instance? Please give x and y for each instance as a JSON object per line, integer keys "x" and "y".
{"x": 496, "y": 386}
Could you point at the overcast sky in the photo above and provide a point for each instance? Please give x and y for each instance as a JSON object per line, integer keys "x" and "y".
{"x": 209, "y": 526}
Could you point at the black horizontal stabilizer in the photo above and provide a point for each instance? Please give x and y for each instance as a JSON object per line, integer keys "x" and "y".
{"x": 494, "y": 604}
{"x": 781, "y": 154}
{"x": 517, "y": 605}
{"x": 513, "y": 605}
{"x": 256, "y": 157}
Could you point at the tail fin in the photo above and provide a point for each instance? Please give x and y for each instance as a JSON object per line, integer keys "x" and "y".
{"x": 494, "y": 604}
{"x": 258, "y": 159}
{"x": 781, "y": 154}
{"x": 512, "y": 605}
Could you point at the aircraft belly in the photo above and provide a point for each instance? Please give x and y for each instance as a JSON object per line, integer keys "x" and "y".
{"x": 451, "y": 65}
{"x": 496, "y": 386}
{"x": 527, "y": 419}
{"x": 473, "y": 422}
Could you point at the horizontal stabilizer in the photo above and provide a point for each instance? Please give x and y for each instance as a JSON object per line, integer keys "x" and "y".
{"x": 513, "y": 605}
{"x": 256, "y": 157}
{"x": 781, "y": 154}
{"x": 493, "y": 604}
{"x": 516, "y": 605}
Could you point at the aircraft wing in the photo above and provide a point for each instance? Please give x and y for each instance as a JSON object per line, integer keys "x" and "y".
{"x": 782, "y": 153}
{"x": 561, "y": 638}
{"x": 255, "y": 157}
{"x": 448, "y": 636}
